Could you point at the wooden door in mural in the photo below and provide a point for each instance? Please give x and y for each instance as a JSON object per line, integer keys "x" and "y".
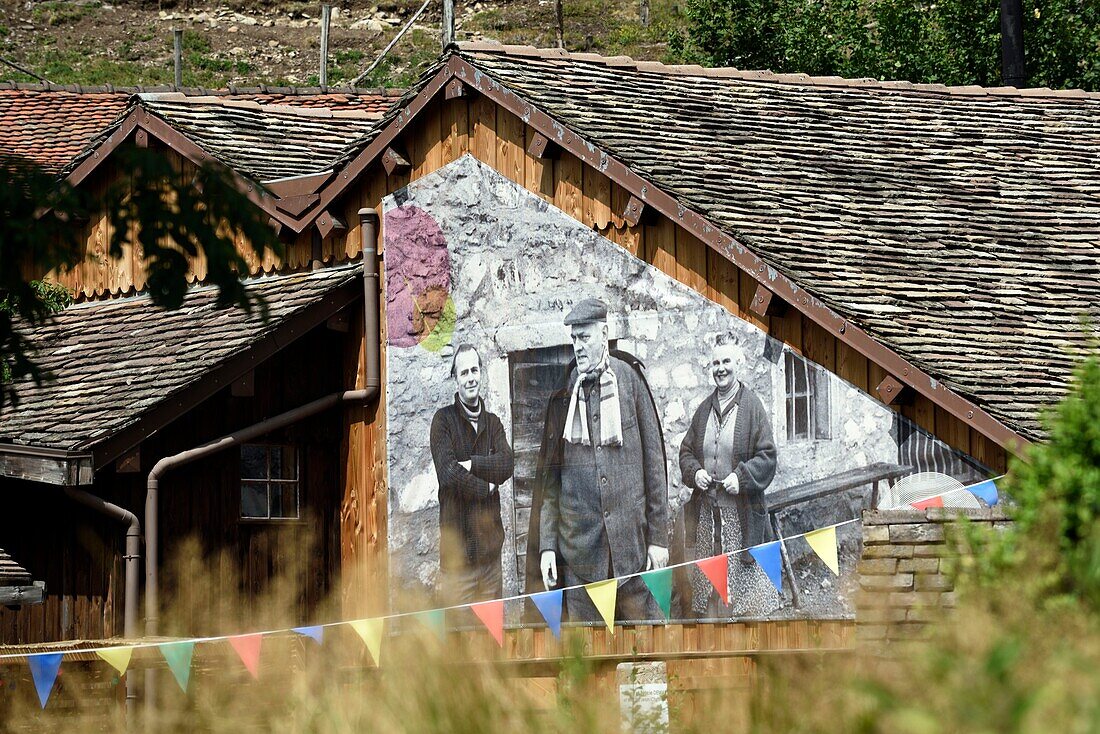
{"x": 535, "y": 374}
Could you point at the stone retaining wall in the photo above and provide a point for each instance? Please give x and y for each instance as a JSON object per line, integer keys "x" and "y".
{"x": 904, "y": 569}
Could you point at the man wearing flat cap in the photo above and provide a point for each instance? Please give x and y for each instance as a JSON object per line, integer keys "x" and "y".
{"x": 602, "y": 475}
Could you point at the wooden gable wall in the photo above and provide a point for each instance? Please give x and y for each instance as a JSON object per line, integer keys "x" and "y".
{"x": 442, "y": 132}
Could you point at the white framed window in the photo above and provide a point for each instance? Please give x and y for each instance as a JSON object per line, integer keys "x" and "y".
{"x": 806, "y": 398}
{"x": 270, "y": 487}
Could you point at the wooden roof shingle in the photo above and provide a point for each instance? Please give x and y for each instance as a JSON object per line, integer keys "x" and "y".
{"x": 154, "y": 355}
{"x": 960, "y": 227}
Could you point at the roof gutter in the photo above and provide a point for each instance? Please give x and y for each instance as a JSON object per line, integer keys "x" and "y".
{"x": 49, "y": 466}
{"x": 372, "y": 386}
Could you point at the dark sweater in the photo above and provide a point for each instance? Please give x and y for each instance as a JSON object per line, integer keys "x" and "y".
{"x": 469, "y": 514}
{"x": 754, "y": 456}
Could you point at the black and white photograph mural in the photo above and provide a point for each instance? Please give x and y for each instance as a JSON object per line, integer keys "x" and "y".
{"x": 560, "y": 412}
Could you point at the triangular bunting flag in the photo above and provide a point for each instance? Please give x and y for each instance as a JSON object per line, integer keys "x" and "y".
{"x": 434, "y": 620}
{"x": 118, "y": 657}
{"x": 716, "y": 568}
{"x": 936, "y": 501}
{"x": 603, "y": 595}
{"x": 178, "y": 657}
{"x": 549, "y": 605}
{"x": 316, "y": 633}
{"x": 44, "y": 667}
{"x": 371, "y": 632}
{"x": 770, "y": 559}
{"x": 248, "y": 649}
{"x": 824, "y": 544}
{"x": 659, "y": 583}
{"x": 491, "y": 614}
{"x": 986, "y": 491}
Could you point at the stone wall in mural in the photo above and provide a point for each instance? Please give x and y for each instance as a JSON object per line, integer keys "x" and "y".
{"x": 561, "y": 412}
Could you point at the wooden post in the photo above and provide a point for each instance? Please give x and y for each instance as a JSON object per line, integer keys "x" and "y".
{"x": 561, "y": 23}
{"x": 177, "y": 55}
{"x": 326, "y": 17}
{"x": 1012, "y": 44}
{"x": 643, "y": 13}
{"x": 448, "y": 23}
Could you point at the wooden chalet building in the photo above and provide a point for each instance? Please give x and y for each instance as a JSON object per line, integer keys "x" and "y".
{"x": 931, "y": 249}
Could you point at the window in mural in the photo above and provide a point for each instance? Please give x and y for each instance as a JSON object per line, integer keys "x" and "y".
{"x": 561, "y": 413}
{"x": 269, "y": 482}
{"x": 807, "y": 399}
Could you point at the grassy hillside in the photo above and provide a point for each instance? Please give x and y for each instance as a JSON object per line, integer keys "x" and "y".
{"x": 250, "y": 42}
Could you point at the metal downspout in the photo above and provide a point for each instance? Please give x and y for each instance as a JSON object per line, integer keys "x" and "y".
{"x": 372, "y": 384}
{"x": 132, "y": 560}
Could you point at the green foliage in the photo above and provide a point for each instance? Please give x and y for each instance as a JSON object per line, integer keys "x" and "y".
{"x": 949, "y": 42}
{"x": 1056, "y": 490}
{"x": 168, "y": 218}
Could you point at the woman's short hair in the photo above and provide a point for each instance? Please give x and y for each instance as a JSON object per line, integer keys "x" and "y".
{"x": 465, "y": 347}
{"x": 725, "y": 338}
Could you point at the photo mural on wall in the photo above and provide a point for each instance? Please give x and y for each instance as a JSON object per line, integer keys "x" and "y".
{"x": 560, "y": 412}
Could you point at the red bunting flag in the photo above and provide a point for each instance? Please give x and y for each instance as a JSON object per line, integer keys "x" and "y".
{"x": 716, "y": 568}
{"x": 930, "y": 502}
{"x": 491, "y": 614}
{"x": 248, "y": 648}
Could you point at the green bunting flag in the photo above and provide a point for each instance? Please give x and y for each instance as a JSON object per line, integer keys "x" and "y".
{"x": 178, "y": 657}
{"x": 659, "y": 583}
{"x": 434, "y": 620}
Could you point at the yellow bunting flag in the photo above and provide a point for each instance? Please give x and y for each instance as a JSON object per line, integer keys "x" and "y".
{"x": 603, "y": 595}
{"x": 371, "y": 632}
{"x": 824, "y": 544}
{"x": 118, "y": 657}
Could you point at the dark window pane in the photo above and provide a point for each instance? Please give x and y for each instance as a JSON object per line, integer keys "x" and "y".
{"x": 790, "y": 419}
{"x": 801, "y": 417}
{"x": 253, "y": 499}
{"x": 284, "y": 500}
{"x": 284, "y": 464}
{"x": 253, "y": 462}
{"x": 789, "y": 374}
{"x": 800, "y": 377}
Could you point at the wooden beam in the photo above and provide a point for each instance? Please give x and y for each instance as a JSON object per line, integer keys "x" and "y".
{"x": 766, "y": 303}
{"x": 141, "y": 139}
{"x": 244, "y": 386}
{"x": 130, "y": 462}
{"x": 632, "y": 214}
{"x": 328, "y": 222}
{"x": 891, "y": 391}
{"x": 16, "y": 596}
{"x": 395, "y": 160}
{"x": 295, "y": 205}
{"x": 455, "y": 89}
{"x": 541, "y": 147}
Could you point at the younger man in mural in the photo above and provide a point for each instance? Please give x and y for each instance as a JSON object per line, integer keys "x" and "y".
{"x": 472, "y": 459}
{"x": 603, "y": 484}
{"x": 728, "y": 458}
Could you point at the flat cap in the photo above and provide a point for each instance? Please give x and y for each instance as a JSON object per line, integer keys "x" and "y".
{"x": 587, "y": 311}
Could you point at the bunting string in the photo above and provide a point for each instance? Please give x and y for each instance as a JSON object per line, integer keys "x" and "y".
{"x": 178, "y": 653}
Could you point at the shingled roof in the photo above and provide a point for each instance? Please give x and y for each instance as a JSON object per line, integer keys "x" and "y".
{"x": 265, "y": 142}
{"x": 50, "y": 124}
{"x": 960, "y": 227}
{"x": 155, "y": 355}
{"x": 50, "y": 128}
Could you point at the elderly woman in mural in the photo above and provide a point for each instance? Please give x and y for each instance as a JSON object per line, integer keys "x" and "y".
{"x": 728, "y": 459}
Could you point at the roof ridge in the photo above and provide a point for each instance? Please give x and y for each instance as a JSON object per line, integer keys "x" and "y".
{"x": 198, "y": 91}
{"x": 765, "y": 75}
{"x": 249, "y": 104}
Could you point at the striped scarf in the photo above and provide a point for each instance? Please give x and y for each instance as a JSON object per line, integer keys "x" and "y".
{"x": 611, "y": 418}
